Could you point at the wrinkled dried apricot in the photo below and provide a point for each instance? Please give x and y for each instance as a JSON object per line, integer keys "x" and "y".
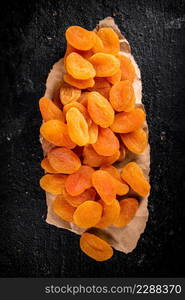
{"x": 98, "y": 44}
{"x": 122, "y": 96}
{"x": 128, "y": 208}
{"x": 100, "y": 110}
{"x": 69, "y": 93}
{"x": 128, "y": 121}
{"x": 104, "y": 184}
{"x": 107, "y": 143}
{"x": 106, "y": 65}
{"x": 79, "y": 181}
{"x": 115, "y": 78}
{"x": 85, "y": 54}
{"x": 76, "y": 104}
{"x": 78, "y": 67}
{"x": 63, "y": 209}
{"x": 127, "y": 68}
{"x": 93, "y": 159}
{"x": 84, "y": 98}
{"x": 135, "y": 141}
{"x": 112, "y": 171}
{"x": 95, "y": 247}
{"x": 80, "y": 38}
{"x": 53, "y": 183}
{"x": 64, "y": 160}
{"x": 101, "y": 86}
{"x": 87, "y": 195}
{"x": 56, "y": 132}
{"x": 80, "y": 84}
{"x": 87, "y": 214}
{"x": 93, "y": 133}
{"x": 77, "y": 127}
{"x": 110, "y": 40}
{"x": 49, "y": 110}
{"x": 110, "y": 213}
{"x": 133, "y": 175}
{"x": 46, "y": 166}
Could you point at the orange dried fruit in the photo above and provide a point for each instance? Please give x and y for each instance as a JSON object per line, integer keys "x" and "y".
{"x": 79, "y": 181}
{"x": 107, "y": 143}
{"x": 106, "y": 65}
{"x": 76, "y": 104}
{"x": 63, "y": 209}
{"x": 127, "y": 68}
{"x": 115, "y": 78}
{"x": 78, "y": 67}
{"x": 69, "y": 93}
{"x": 93, "y": 159}
{"x": 98, "y": 44}
{"x": 46, "y": 166}
{"x": 64, "y": 160}
{"x": 101, "y": 86}
{"x": 135, "y": 141}
{"x": 122, "y": 96}
{"x": 87, "y": 214}
{"x": 56, "y": 132}
{"x": 133, "y": 175}
{"x": 112, "y": 171}
{"x": 95, "y": 247}
{"x": 128, "y": 208}
{"x": 53, "y": 183}
{"x": 110, "y": 213}
{"x": 75, "y": 201}
{"x": 80, "y": 38}
{"x": 78, "y": 83}
{"x": 93, "y": 133}
{"x": 83, "y": 98}
{"x": 125, "y": 122}
{"x": 110, "y": 40}
{"x": 49, "y": 110}
{"x": 77, "y": 127}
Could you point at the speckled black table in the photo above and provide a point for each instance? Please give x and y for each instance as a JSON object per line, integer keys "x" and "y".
{"x": 32, "y": 34}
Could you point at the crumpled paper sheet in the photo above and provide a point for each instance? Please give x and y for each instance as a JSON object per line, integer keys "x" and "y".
{"x": 123, "y": 239}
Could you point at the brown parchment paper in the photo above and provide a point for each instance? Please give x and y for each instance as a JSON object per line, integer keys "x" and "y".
{"x": 123, "y": 239}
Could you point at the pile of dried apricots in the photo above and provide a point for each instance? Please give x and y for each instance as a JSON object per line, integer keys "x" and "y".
{"x": 94, "y": 125}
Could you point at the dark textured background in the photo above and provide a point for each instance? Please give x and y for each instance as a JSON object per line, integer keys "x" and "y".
{"x": 32, "y": 34}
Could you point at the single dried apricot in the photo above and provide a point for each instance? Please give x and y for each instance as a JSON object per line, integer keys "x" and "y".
{"x": 128, "y": 121}
{"x": 112, "y": 171}
{"x": 106, "y": 65}
{"x": 87, "y": 195}
{"x": 80, "y": 38}
{"x": 115, "y": 78}
{"x": 46, "y": 166}
{"x": 64, "y": 160}
{"x": 127, "y": 68}
{"x": 135, "y": 141}
{"x": 87, "y": 214}
{"x": 78, "y": 83}
{"x": 69, "y": 93}
{"x": 84, "y": 98}
{"x": 100, "y": 109}
{"x": 133, "y": 175}
{"x": 93, "y": 133}
{"x": 56, "y": 132}
{"x": 95, "y": 247}
{"x": 122, "y": 96}
{"x": 63, "y": 209}
{"x": 76, "y": 104}
{"x": 110, "y": 214}
{"x": 98, "y": 44}
{"x": 77, "y": 127}
{"x": 107, "y": 143}
{"x": 101, "y": 86}
{"x": 78, "y": 67}
{"x": 49, "y": 110}
{"x": 128, "y": 210}
{"x": 53, "y": 183}
{"x": 104, "y": 184}
{"x": 93, "y": 159}
{"x": 79, "y": 181}
{"x": 110, "y": 40}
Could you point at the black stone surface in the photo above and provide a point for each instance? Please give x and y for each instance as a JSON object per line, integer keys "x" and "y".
{"x": 32, "y": 39}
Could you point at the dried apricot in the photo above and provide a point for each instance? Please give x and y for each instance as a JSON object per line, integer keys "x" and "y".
{"x": 49, "y": 110}
{"x": 53, "y": 183}
{"x": 79, "y": 181}
{"x": 93, "y": 159}
{"x": 93, "y": 133}
{"x": 46, "y": 166}
{"x": 135, "y": 141}
{"x": 133, "y": 175}
{"x": 95, "y": 247}
{"x": 122, "y": 96}
{"x": 106, "y": 65}
{"x": 69, "y": 93}
{"x": 127, "y": 68}
{"x": 98, "y": 44}
{"x": 77, "y": 127}
{"x": 110, "y": 213}
{"x": 107, "y": 143}
{"x": 56, "y": 132}
{"x": 112, "y": 171}
{"x": 115, "y": 78}
{"x": 87, "y": 214}
{"x": 75, "y": 201}
{"x": 128, "y": 210}
{"x": 83, "y": 98}
{"x": 80, "y": 38}
{"x": 64, "y": 160}
{"x": 76, "y": 104}
{"x": 128, "y": 121}
{"x": 104, "y": 184}
{"x": 101, "y": 86}
{"x": 100, "y": 109}
{"x": 78, "y": 67}
{"x": 78, "y": 83}
{"x": 110, "y": 40}
{"x": 63, "y": 209}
